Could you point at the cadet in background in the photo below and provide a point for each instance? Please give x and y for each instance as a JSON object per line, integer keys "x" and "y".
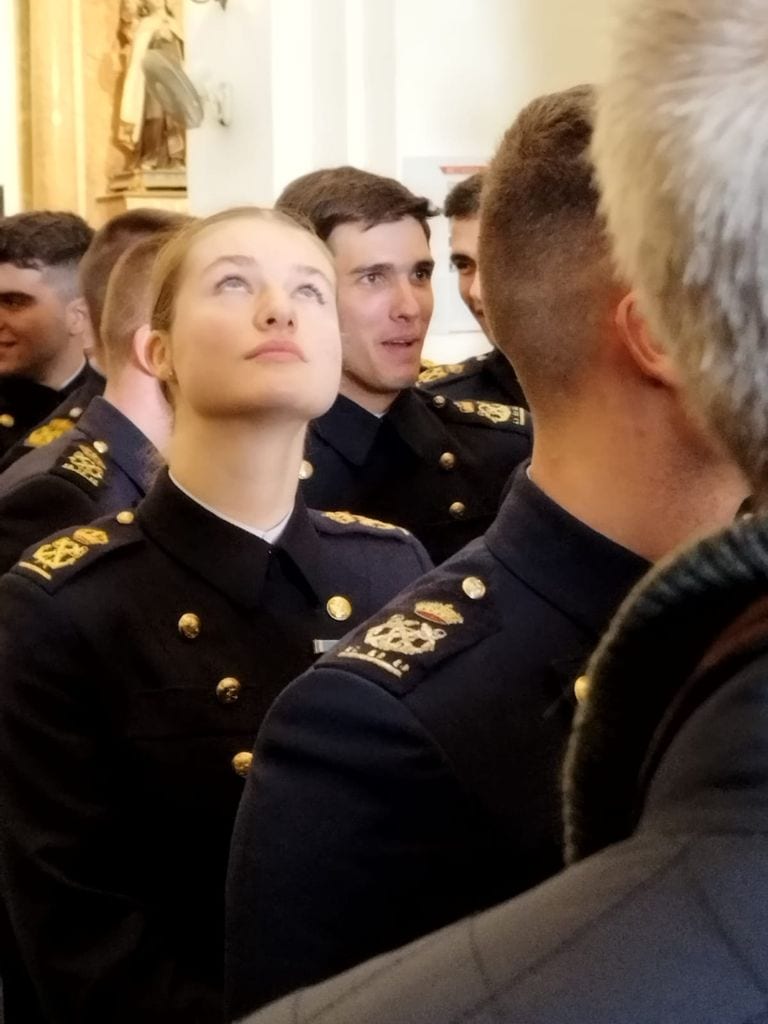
{"x": 139, "y": 653}
{"x": 109, "y": 459}
{"x": 44, "y": 325}
{"x": 489, "y": 376}
{"x": 103, "y": 252}
{"x": 421, "y": 759}
{"x": 386, "y": 449}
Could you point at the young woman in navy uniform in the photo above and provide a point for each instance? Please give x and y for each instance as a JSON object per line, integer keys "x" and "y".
{"x": 139, "y": 654}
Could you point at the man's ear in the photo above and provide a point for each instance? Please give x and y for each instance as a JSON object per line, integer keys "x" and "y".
{"x": 78, "y": 321}
{"x": 648, "y": 355}
{"x": 152, "y": 352}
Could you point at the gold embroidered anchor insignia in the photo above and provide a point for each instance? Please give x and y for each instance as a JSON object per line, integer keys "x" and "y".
{"x": 87, "y": 463}
{"x": 403, "y": 635}
{"x": 348, "y": 517}
{"x": 65, "y": 551}
{"x": 49, "y": 431}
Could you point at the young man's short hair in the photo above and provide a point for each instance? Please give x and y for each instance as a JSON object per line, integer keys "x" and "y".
{"x": 463, "y": 201}
{"x": 544, "y": 257}
{"x": 128, "y": 299}
{"x": 46, "y": 239}
{"x": 108, "y": 245}
{"x": 347, "y": 195}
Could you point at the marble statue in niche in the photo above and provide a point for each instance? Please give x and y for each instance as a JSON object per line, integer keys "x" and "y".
{"x": 151, "y": 139}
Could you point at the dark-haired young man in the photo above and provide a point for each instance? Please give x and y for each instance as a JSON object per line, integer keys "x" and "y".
{"x": 386, "y": 450}
{"x": 490, "y": 376}
{"x": 413, "y": 775}
{"x": 44, "y": 324}
{"x": 105, "y": 248}
{"x": 105, "y": 462}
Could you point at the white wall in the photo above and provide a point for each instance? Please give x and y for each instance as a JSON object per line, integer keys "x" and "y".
{"x": 10, "y": 169}
{"x": 382, "y": 84}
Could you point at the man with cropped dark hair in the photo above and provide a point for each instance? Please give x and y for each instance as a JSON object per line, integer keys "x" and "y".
{"x": 106, "y": 247}
{"x": 386, "y": 450}
{"x": 105, "y": 462}
{"x": 489, "y": 376}
{"x": 44, "y": 324}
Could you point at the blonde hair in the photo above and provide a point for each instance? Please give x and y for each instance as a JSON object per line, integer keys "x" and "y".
{"x": 169, "y": 265}
{"x": 681, "y": 149}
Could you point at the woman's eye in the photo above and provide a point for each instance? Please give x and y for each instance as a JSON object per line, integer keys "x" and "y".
{"x": 232, "y": 282}
{"x": 313, "y": 291}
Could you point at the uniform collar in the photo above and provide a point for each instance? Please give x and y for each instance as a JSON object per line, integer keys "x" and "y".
{"x": 129, "y": 448}
{"x": 348, "y": 428}
{"x": 570, "y": 565}
{"x": 232, "y": 560}
{"x": 417, "y": 424}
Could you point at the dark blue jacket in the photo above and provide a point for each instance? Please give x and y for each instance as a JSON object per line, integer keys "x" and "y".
{"x": 101, "y": 465}
{"x": 138, "y": 655}
{"x": 431, "y": 464}
{"x": 413, "y": 775}
{"x": 666, "y": 922}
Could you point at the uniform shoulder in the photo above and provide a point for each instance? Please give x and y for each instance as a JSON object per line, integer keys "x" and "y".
{"x": 50, "y": 430}
{"x": 348, "y": 524}
{"x": 446, "y": 612}
{"x": 432, "y": 376}
{"x": 59, "y": 558}
{"x": 490, "y": 415}
{"x": 84, "y": 464}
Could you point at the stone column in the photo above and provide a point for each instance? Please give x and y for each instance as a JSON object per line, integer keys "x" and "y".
{"x": 54, "y": 88}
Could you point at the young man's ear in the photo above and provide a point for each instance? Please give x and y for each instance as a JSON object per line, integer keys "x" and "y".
{"x": 153, "y": 353}
{"x": 650, "y": 358}
{"x": 78, "y": 321}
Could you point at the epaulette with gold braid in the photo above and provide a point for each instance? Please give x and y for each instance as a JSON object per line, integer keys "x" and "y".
{"x": 364, "y": 523}
{"x": 59, "y": 557}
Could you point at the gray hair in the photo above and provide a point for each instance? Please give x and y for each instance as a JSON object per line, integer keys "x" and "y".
{"x": 681, "y": 150}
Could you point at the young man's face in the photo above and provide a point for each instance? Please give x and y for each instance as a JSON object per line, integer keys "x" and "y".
{"x": 34, "y": 330}
{"x": 464, "y": 236}
{"x": 385, "y": 304}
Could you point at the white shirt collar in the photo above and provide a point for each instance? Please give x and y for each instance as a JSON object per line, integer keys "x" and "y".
{"x": 271, "y": 536}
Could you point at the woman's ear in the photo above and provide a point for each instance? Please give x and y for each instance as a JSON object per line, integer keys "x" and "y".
{"x": 152, "y": 352}
{"x": 647, "y": 354}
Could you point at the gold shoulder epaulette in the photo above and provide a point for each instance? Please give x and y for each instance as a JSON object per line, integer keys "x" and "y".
{"x": 493, "y": 411}
{"x": 59, "y": 557}
{"x": 439, "y": 372}
{"x": 349, "y": 519}
{"x": 50, "y": 431}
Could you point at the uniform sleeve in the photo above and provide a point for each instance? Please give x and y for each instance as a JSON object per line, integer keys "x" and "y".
{"x": 35, "y": 509}
{"x": 349, "y": 831}
{"x": 92, "y": 952}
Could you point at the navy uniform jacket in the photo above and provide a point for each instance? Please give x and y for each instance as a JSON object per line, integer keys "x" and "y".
{"x": 668, "y": 922}
{"x": 138, "y": 656}
{"x": 488, "y": 377}
{"x": 25, "y": 403}
{"x": 102, "y": 465}
{"x": 421, "y": 759}
{"x": 432, "y": 465}
{"x": 57, "y": 422}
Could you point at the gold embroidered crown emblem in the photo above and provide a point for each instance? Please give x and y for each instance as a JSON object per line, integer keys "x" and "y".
{"x": 435, "y": 611}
